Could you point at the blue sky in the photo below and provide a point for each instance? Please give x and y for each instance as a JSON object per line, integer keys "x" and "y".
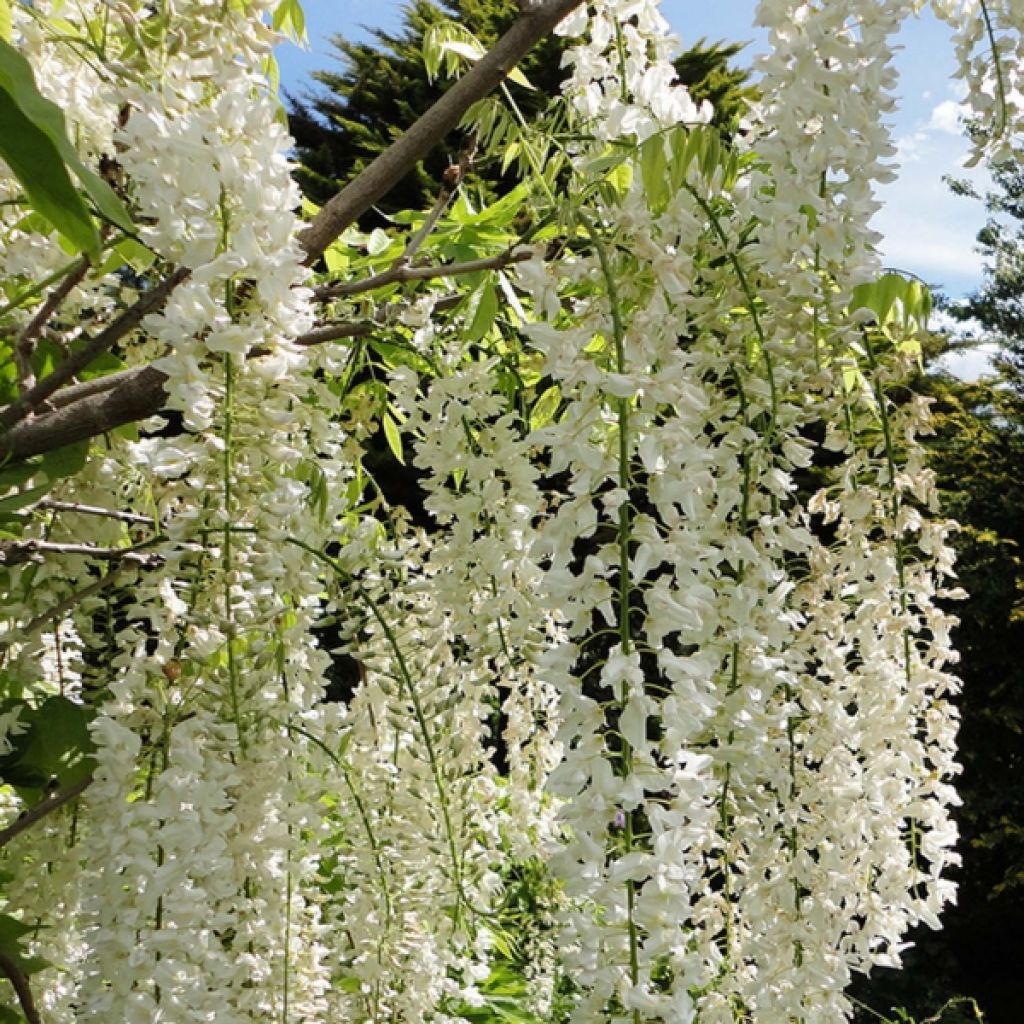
{"x": 927, "y": 230}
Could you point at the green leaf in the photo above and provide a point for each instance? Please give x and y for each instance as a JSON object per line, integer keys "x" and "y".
{"x": 129, "y": 251}
{"x": 485, "y": 313}
{"x": 66, "y": 461}
{"x": 12, "y": 932}
{"x": 515, "y": 75}
{"x": 620, "y": 177}
{"x": 653, "y": 171}
{"x": 35, "y": 162}
{"x": 6, "y": 28}
{"x": 337, "y": 258}
{"x": 545, "y": 408}
{"x": 14, "y": 502}
{"x": 16, "y": 475}
{"x": 55, "y": 745}
{"x": 290, "y": 19}
{"x": 393, "y": 437}
{"x": 18, "y": 85}
{"x": 378, "y": 242}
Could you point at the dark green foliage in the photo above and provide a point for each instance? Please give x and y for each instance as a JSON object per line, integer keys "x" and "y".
{"x": 382, "y": 87}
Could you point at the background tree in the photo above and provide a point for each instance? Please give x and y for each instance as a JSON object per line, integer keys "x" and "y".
{"x": 977, "y": 453}
{"x": 383, "y": 85}
{"x": 998, "y": 306}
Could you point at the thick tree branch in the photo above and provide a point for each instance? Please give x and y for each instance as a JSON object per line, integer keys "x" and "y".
{"x": 398, "y": 159}
{"x": 132, "y": 395}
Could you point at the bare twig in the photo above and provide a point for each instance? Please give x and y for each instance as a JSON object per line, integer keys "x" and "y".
{"x": 19, "y": 979}
{"x": 335, "y": 332}
{"x": 400, "y": 273}
{"x": 395, "y": 162}
{"x": 453, "y": 176}
{"x": 95, "y": 510}
{"x": 50, "y": 803}
{"x": 13, "y": 552}
{"x": 106, "y": 339}
{"x": 26, "y": 342}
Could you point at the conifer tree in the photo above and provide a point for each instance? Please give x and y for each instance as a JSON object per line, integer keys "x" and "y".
{"x": 382, "y": 86}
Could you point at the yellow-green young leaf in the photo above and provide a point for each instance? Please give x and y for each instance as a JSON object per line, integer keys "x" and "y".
{"x": 471, "y": 50}
{"x": 544, "y": 409}
{"x": 654, "y": 171}
{"x": 6, "y": 28}
{"x": 620, "y": 177}
{"x": 431, "y": 53}
{"x": 512, "y": 151}
{"x": 393, "y": 437}
{"x": 290, "y": 19}
{"x": 130, "y": 252}
{"x": 515, "y": 75}
{"x": 486, "y": 311}
{"x": 273, "y": 72}
{"x": 337, "y": 258}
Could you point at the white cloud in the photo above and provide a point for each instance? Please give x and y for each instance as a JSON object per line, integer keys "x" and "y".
{"x": 946, "y": 118}
{"x": 926, "y": 229}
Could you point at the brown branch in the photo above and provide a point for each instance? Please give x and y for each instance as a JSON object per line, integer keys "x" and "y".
{"x": 400, "y": 273}
{"x": 51, "y": 802}
{"x": 134, "y": 395}
{"x": 24, "y": 346}
{"x": 73, "y": 392}
{"x": 335, "y": 332}
{"x": 19, "y": 979}
{"x": 388, "y": 169}
{"x": 453, "y": 176}
{"x": 106, "y": 339}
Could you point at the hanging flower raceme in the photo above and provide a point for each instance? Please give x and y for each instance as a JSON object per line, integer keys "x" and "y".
{"x": 669, "y": 619}
{"x": 199, "y": 841}
{"x": 989, "y": 38}
{"x": 706, "y": 736}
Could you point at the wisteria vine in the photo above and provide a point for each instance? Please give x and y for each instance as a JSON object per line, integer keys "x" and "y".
{"x": 662, "y": 641}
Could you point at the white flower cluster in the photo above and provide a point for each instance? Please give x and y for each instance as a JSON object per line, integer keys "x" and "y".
{"x": 738, "y": 662}
{"x": 200, "y": 845}
{"x": 675, "y": 627}
{"x": 622, "y": 82}
{"x": 990, "y": 53}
